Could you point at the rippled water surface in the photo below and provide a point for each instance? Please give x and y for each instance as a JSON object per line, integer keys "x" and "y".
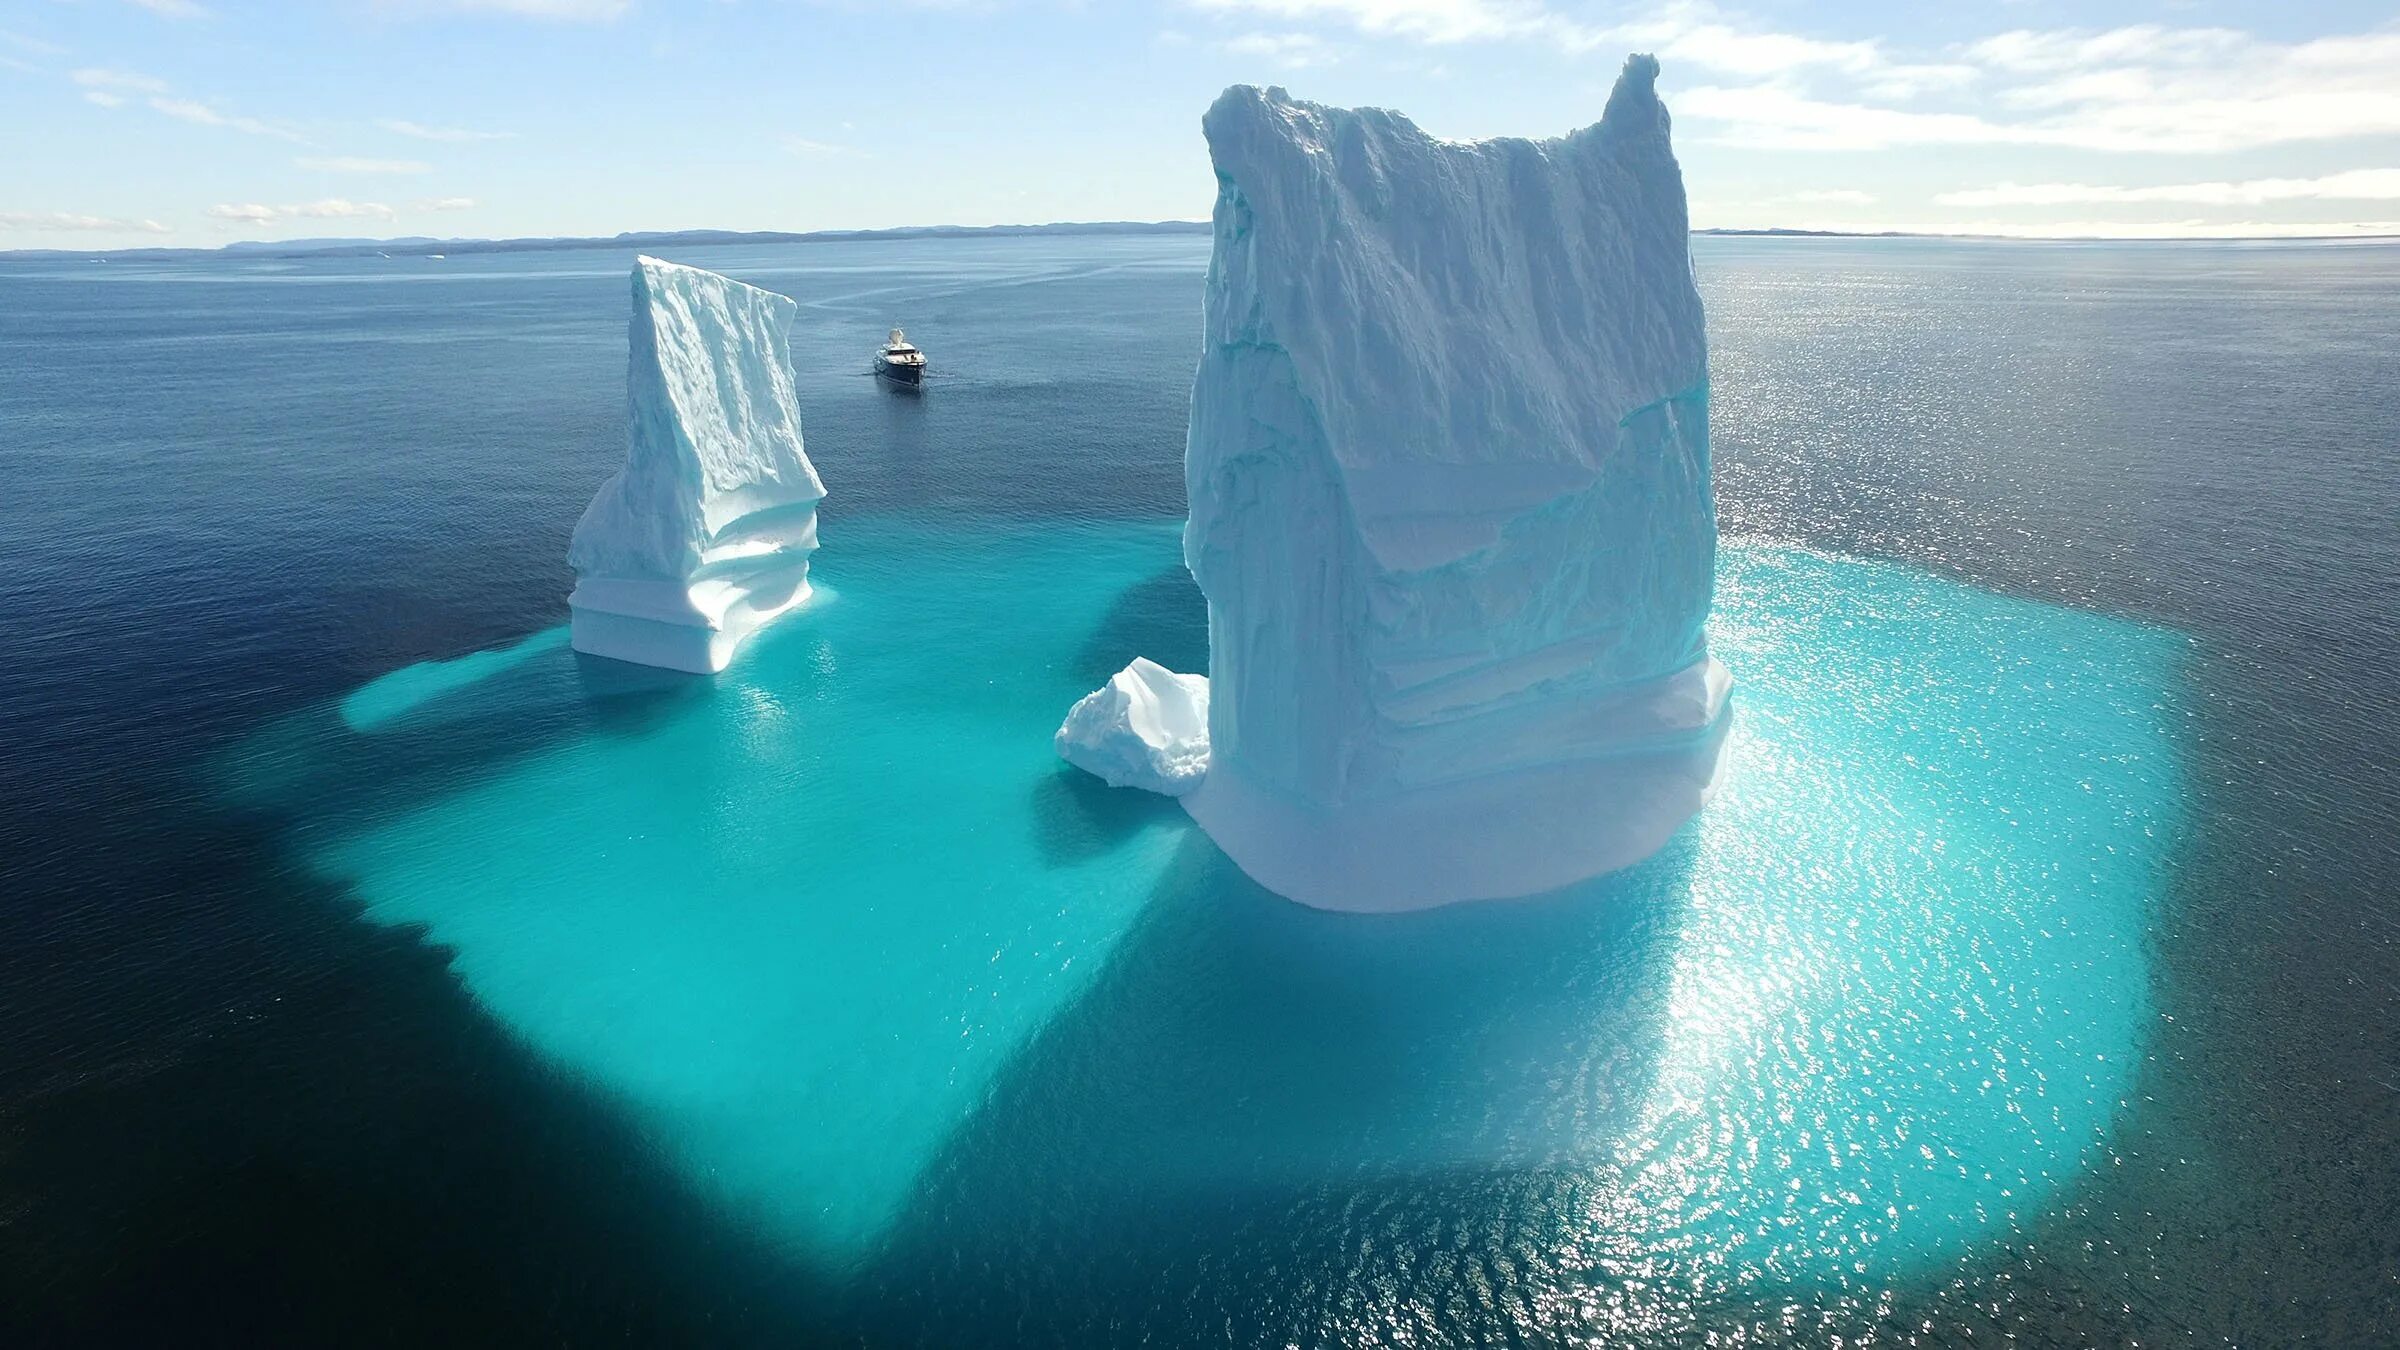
{"x": 377, "y": 967}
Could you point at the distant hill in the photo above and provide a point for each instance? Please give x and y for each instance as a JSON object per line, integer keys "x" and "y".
{"x": 322, "y": 248}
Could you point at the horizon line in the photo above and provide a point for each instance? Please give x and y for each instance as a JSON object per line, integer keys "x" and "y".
{"x": 338, "y": 245}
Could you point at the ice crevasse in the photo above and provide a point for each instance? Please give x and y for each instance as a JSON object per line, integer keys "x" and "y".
{"x": 705, "y": 534}
{"x": 1448, "y": 472}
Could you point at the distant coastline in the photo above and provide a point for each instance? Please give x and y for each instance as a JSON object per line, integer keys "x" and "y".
{"x": 423, "y": 244}
{"x": 1779, "y": 232}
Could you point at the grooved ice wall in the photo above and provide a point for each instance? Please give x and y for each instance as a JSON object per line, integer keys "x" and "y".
{"x": 704, "y": 535}
{"x": 1450, "y": 504}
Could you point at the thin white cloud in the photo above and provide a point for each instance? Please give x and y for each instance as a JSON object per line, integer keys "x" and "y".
{"x": 1437, "y": 21}
{"x": 193, "y": 110}
{"x": 2143, "y": 89}
{"x": 30, "y": 45}
{"x": 2360, "y": 185}
{"x": 354, "y": 164}
{"x": 110, "y": 88}
{"x": 95, "y": 77}
{"x": 68, "y": 220}
{"x": 1707, "y": 211}
{"x": 1688, "y": 33}
{"x": 1775, "y": 117}
{"x": 453, "y": 135}
{"x": 2152, "y": 88}
{"x": 332, "y": 208}
{"x": 1721, "y": 47}
{"x": 571, "y": 11}
{"x": 1697, "y": 35}
{"x": 802, "y": 145}
{"x": 2050, "y": 52}
{"x": 1290, "y": 50}
{"x": 1680, "y": 36}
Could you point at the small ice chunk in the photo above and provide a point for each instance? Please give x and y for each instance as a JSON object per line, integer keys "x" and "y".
{"x": 1146, "y": 728}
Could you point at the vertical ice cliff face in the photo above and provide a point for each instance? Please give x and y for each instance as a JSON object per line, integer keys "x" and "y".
{"x": 1450, "y": 504}
{"x": 704, "y": 535}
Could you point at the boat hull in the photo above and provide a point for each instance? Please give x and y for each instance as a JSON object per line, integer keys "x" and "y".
{"x": 912, "y": 376}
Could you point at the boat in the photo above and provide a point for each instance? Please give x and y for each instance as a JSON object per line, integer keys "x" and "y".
{"x": 900, "y": 362}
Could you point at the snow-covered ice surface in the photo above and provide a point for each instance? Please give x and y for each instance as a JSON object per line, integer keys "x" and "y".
{"x": 1146, "y": 728}
{"x": 704, "y": 535}
{"x": 1449, "y": 483}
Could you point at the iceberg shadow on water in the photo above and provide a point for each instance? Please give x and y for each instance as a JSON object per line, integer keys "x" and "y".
{"x": 1264, "y": 1091}
{"x": 1077, "y": 818}
{"x": 439, "y": 727}
{"x": 1164, "y": 618}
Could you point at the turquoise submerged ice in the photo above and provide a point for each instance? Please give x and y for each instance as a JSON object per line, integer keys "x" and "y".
{"x": 704, "y": 535}
{"x": 1450, "y": 503}
{"x": 840, "y": 932}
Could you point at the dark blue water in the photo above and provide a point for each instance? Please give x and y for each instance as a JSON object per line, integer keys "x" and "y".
{"x": 302, "y": 1038}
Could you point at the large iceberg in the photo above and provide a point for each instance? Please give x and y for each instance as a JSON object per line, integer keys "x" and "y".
{"x": 1450, "y": 504}
{"x": 704, "y": 535}
{"x": 1146, "y": 728}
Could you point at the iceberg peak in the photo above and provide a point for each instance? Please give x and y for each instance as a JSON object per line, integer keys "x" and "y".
{"x": 1634, "y": 107}
{"x": 705, "y": 533}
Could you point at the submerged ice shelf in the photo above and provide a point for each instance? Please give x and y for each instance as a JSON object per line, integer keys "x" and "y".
{"x": 704, "y": 535}
{"x": 1914, "y": 928}
{"x": 1450, "y": 504}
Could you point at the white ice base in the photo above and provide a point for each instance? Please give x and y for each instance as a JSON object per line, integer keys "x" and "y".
{"x": 1521, "y": 832}
{"x": 623, "y": 623}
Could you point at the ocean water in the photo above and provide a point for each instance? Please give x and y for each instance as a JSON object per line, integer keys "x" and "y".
{"x": 378, "y": 968}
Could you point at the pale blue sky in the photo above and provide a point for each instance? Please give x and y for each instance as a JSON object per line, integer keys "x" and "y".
{"x": 198, "y": 122}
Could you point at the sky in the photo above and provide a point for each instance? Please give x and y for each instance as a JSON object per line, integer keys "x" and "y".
{"x": 195, "y": 123}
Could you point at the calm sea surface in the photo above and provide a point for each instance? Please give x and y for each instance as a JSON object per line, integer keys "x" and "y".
{"x": 375, "y": 970}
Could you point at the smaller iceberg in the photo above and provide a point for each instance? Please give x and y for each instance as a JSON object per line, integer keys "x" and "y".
{"x": 1146, "y": 728}
{"x": 704, "y": 535}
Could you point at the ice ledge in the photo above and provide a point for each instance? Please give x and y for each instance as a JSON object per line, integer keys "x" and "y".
{"x": 671, "y": 625}
{"x": 1520, "y": 832}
